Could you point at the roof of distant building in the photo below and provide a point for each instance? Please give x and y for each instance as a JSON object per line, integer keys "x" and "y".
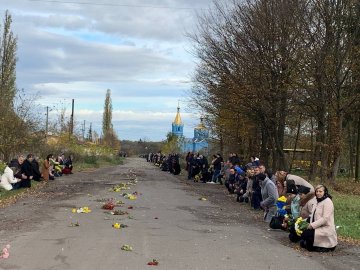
{"x": 177, "y": 120}
{"x": 201, "y": 124}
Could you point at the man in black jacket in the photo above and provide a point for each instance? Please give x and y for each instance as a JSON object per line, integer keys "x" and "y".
{"x": 28, "y": 171}
{"x": 36, "y": 169}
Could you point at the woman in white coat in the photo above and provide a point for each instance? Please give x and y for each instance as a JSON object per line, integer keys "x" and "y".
{"x": 7, "y": 179}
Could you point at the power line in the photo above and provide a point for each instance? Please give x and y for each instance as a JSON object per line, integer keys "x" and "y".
{"x": 113, "y": 4}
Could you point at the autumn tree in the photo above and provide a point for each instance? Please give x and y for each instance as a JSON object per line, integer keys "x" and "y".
{"x": 248, "y": 60}
{"x": 107, "y": 115}
{"x": 109, "y": 136}
{"x": 171, "y": 144}
{"x": 271, "y": 69}
{"x": 10, "y": 124}
{"x": 328, "y": 89}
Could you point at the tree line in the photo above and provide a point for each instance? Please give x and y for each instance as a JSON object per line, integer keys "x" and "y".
{"x": 282, "y": 74}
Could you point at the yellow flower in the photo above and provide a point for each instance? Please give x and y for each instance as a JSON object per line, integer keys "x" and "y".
{"x": 299, "y": 219}
{"x": 86, "y": 210}
{"x": 298, "y": 232}
{"x": 116, "y": 226}
{"x": 73, "y": 210}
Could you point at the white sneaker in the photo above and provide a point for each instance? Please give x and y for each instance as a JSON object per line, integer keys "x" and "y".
{"x": 211, "y": 182}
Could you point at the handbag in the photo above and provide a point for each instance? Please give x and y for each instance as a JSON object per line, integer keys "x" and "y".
{"x": 276, "y": 222}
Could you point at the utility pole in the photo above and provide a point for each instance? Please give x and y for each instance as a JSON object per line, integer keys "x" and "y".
{"x": 47, "y": 121}
{"x": 71, "y": 129}
{"x": 83, "y": 131}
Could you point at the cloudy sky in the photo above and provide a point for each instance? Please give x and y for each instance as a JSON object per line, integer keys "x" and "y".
{"x": 77, "y": 49}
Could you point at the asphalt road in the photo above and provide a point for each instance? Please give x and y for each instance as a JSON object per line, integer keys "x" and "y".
{"x": 168, "y": 223}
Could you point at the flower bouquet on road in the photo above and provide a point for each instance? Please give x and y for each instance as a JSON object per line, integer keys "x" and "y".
{"x": 127, "y": 248}
{"x": 109, "y": 205}
{"x": 84, "y": 209}
{"x": 301, "y": 225}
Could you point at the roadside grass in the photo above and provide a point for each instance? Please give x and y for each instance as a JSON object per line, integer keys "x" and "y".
{"x": 6, "y": 196}
{"x": 346, "y": 198}
{"x": 347, "y": 214}
{"x": 93, "y": 162}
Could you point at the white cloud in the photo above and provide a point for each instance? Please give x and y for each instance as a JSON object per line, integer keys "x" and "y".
{"x": 77, "y": 51}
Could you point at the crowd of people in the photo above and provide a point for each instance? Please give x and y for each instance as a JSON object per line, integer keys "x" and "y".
{"x": 288, "y": 201}
{"x": 169, "y": 163}
{"x": 20, "y": 171}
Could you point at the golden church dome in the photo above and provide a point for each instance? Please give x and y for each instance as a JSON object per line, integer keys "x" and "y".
{"x": 177, "y": 120}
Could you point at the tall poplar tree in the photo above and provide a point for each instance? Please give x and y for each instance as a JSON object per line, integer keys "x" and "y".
{"x": 8, "y": 46}
{"x": 11, "y": 126}
{"x": 107, "y": 116}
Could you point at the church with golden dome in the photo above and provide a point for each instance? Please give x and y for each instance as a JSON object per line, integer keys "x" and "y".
{"x": 199, "y": 143}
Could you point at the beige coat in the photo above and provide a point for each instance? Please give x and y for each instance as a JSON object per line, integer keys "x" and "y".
{"x": 307, "y": 204}
{"x": 45, "y": 170}
{"x": 324, "y": 225}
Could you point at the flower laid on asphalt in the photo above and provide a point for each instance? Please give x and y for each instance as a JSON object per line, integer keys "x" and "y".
{"x": 121, "y": 186}
{"x": 119, "y": 226}
{"x": 202, "y": 199}
{"x": 5, "y": 252}
{"x": 76, "y": 224}
{"x": 109, "y": 205}
{"x": 129, "y": 196}
{"x": 85, "y": 210}
{"x": 127, "y": 248}
{"x": 119, "y": 212}
{"x": 116, "y": 226}
{"x": 301, "y": 225}
{"x": 153, "y": 262}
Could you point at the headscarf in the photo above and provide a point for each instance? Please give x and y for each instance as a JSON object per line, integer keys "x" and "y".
{"x": 326, "y": 193}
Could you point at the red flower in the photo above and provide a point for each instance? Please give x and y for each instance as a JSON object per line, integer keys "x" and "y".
{"x": 153, "y": 262}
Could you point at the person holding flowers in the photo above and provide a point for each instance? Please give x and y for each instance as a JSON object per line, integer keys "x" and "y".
{"x": 320, "y": 234}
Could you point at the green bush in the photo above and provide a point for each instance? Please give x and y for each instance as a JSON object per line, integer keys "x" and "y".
{"x": 90, "y": 159}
